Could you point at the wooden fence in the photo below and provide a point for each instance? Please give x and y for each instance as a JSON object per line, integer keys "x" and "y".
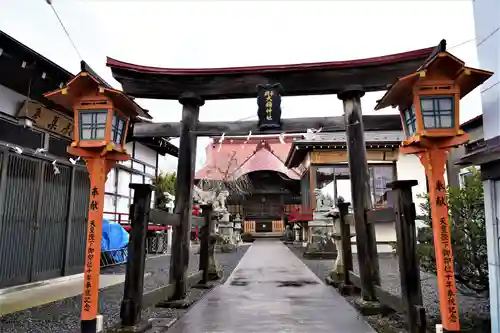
{"x": 278, "y": 226}
{"x": 134, "y": 299}
{"x": 249, "y": 226}
{"x": 402, "y": 211}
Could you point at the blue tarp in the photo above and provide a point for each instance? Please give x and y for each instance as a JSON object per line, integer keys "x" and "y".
{"x": 114, "y": 237}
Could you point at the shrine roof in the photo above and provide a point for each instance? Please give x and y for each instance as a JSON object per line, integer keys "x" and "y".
{"x": 235, "y": 158}
{"x": 386, "y": 139}
{"x": 371, "y": 74}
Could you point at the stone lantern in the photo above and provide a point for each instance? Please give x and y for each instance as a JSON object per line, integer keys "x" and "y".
{"x": 429, "y": 104}
{"x": 237, "y": 225}
{"x": 101, "y": 120}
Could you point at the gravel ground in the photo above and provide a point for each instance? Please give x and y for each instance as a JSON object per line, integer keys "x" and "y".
{"x": 64, "y": 315}
{"x": 474, "y": 311}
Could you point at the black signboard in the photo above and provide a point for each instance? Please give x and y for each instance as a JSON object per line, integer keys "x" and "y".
{"x": 269, "y": 103}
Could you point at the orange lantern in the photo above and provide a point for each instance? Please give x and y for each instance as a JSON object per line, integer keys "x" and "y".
{"x": 101, "y": 120}
{"x": 429, "y": 104}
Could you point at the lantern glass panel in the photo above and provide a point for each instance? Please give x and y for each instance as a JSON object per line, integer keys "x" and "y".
{"x": 410, "y": 120}
{"x": 93, "y": 124}
{"x": 437, "y": 112}
{"x": 117, "y": 128}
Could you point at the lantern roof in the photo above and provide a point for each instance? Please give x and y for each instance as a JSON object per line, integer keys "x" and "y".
{"x": 86, "y": 81}
{"x": 447, "y": 66}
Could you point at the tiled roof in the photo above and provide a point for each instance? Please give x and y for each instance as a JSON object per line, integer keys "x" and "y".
{"x": 370, "y": 136}
{"x": 236, "y": 158}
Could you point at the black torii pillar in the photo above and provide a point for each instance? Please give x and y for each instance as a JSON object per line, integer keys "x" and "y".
{"x": 179, "y": 260}
{"x": 360, "y": 189}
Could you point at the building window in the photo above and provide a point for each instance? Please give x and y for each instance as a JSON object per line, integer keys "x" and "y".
{"x": 93, "y": 124}
{"x": 410, "y": 120}
{"x": 380, "y": 176}
{"x": 117, "y": 128}
{"x": 437, "y": 112}
{"x": 21, "y": 136}
{"x": 59, "y": 146}
{"x": 333, "y": 182}
{"x": 465, "y": 174}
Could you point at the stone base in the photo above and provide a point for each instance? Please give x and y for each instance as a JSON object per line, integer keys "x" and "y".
{"x": 368, "y": 308}
{"x": 333, "y": 282}
{"x": 163, "y": 323}
{"x": 141, "y": 327}
{"x": 348, "y": 290}
{"x": 336, "y": 277}
{"x": 177, "y": 304}
{"x": 202, "y": 286}
{"x": 225, "y": 248}
{"x": 337, "y": 281}
{"x": 320, "y": 255}
{"x": 214, "y": 270}
{"x": 337, "y": 274}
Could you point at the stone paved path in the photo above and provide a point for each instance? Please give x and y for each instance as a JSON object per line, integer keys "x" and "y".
{"x": 271, "y": 290}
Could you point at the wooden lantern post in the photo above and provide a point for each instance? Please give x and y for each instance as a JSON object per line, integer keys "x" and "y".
{"x": 101, "y": 119}
{"x": 428, "y": 101}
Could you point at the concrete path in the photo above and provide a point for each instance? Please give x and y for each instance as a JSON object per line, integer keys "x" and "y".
{"x": 271, "y": 290}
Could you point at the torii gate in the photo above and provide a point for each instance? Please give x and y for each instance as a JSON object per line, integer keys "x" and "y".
{"x": 192, "y": 87}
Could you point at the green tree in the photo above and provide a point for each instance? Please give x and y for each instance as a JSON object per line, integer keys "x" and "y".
{"x": 468, "y": 234}
{"x": 164, "y": 182}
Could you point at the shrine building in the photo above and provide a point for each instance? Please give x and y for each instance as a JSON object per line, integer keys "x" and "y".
{"x": 260, "y": 161}
{"x": 324, "y": 161}
{"x": 283, "y": 173}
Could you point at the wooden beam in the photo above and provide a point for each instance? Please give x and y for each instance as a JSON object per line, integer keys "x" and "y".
{"x": 291, "y": 125}
{"x": 163, "y": 293}
{"x": 345, "y": 231}
{"x": 161, "y": 217}
{"x": 157, "y": 295}
{"x": 388, "y": 299}
{"x": 380, "y": 215}
{"x": 409, "y": 264}
{"x": 131, "y": 306}
{"x": 354, "y": 279}
{"x": 204, "y": 242}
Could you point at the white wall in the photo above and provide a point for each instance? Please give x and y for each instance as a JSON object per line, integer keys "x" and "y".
{"x": 384, "y": 232}
{"x": 409, "y": 167}
{"x": 119, "y": 196}
{"x": 145, "y": 154}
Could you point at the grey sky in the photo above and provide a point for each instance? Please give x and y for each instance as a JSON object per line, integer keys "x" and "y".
{"x": 222, "y": 33}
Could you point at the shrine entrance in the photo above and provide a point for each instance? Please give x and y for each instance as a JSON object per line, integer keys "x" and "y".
{"x": 349, "y": 80}
{"x": 192, "y": 87}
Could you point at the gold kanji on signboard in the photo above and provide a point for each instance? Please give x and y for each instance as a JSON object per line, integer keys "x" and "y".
{"x": 47, "y": 119}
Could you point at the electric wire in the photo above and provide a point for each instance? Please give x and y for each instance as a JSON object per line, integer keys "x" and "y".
{"x": 49, "y": 2}
{"x": 326, "y": 129}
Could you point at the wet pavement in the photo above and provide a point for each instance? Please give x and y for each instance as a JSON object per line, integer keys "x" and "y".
{"x": 272, "y": 290}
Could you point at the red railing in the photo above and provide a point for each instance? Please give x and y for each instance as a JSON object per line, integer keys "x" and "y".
{"x": 300, "y": 214}
{"x": 124, "y": 220}
{"x": 121, "y": 218}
